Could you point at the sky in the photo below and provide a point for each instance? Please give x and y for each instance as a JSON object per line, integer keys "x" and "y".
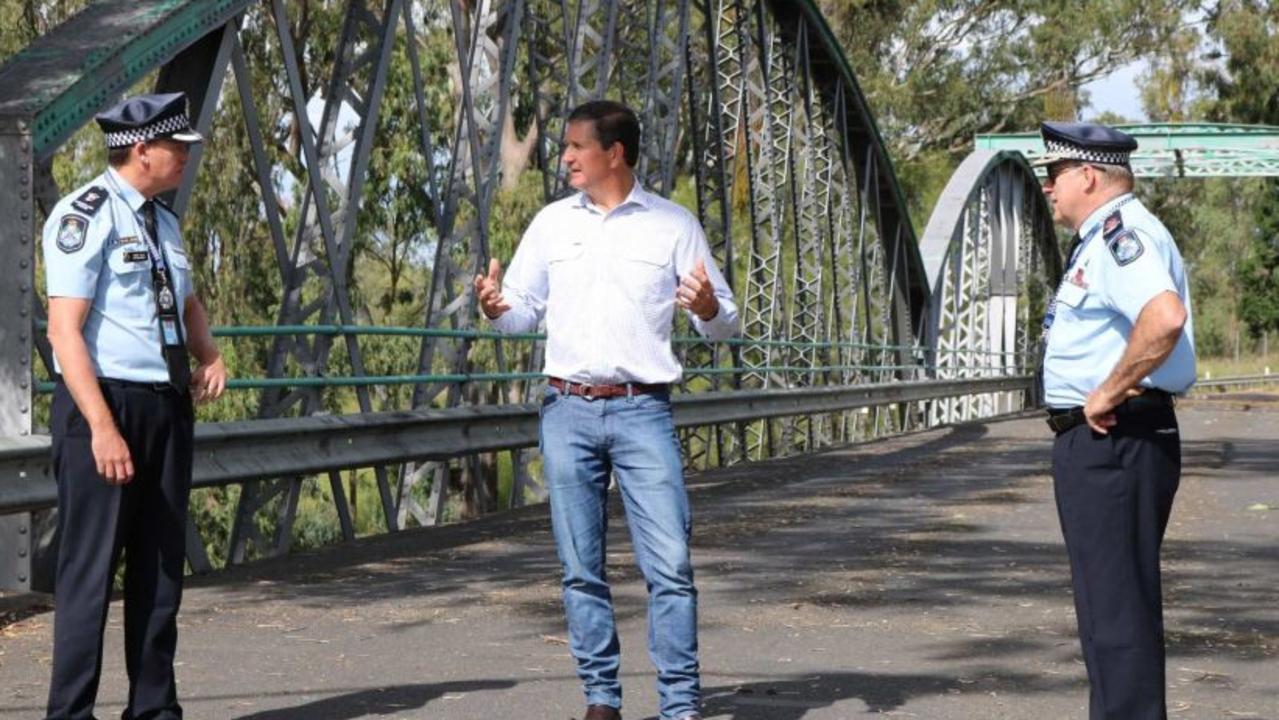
{"x": 1117, "y": 93}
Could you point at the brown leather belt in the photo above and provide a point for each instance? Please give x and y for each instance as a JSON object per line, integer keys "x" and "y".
{"x": 590, "y": 392}
{"x": 1062, "y": 419}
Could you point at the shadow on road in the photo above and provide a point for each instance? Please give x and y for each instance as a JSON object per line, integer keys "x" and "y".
{"x": 793, "y": 698}
{"x": 391, "y": 700}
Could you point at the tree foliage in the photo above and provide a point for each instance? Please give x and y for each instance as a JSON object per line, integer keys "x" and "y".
{"x": 1246, "y": 88}
{"x": 939, "y": 71}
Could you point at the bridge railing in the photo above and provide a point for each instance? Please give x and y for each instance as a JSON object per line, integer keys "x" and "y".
{"x": 1222, "y": 384}
{"x": 306, "y": 449}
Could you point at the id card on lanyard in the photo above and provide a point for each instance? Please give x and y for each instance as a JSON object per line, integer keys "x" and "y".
{"x": 161, "y": 280}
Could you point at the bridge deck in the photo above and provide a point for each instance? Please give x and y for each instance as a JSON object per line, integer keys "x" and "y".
{"x": 921, "y": 576}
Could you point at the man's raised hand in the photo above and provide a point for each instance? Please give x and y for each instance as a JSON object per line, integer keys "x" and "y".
{"x": 488, "y": 288}
{"x": 696, "y": 293}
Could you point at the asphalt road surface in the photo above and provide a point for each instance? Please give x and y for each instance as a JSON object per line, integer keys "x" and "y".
{"x": 917, "y": 577}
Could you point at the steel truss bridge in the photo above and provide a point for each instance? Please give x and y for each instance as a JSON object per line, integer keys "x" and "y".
{"x": 854, "y": 327}
{"x": 1179, "y": 150}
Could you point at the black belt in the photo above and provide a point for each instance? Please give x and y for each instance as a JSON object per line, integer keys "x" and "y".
{"x": 160, "y": 387}
{"x": 1062, "y": 419}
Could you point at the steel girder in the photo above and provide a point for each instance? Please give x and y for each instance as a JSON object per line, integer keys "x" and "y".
{"x": 47, "y": 92}
{"x": 991, "y": 256}
{"x": 315, "y": 282}
{"x": 1178, "y": 149}
{"x": 751, "y": 100}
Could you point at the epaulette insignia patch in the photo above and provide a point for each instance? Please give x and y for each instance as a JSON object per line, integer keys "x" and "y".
{"x": 90, "y": 201}
{"x": 1126, "y": 247}
{"x": 1112, "y": 225}
{"x": 71, "y": 232}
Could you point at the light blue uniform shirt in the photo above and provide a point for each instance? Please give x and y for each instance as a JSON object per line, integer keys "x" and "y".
{"x": 1126, "y": 258}
{"x": 94, "y": 248}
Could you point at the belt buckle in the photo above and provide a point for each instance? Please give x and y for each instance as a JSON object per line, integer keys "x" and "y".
{"x": 586, "y": 390}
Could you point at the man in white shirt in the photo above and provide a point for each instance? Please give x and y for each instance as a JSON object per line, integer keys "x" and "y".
{"x": 606, "y": 267}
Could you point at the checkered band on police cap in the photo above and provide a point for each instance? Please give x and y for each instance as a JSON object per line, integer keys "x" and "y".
{"x": 1068, "y": 151}
{"x": 1084, "y": 142}
{"x": 160, "y": 128}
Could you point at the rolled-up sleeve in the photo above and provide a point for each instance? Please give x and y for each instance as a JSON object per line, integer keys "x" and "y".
{"x": 691, "y": 248}
{"x": 525, "y": 286}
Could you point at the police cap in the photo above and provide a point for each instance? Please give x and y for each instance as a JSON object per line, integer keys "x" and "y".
{"x": 1084, "y": 142}
{"x": 148, "y": 117}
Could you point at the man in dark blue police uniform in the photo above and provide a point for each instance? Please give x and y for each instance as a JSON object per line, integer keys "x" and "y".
{"x": 122, "y": 318}
{"x": 1120, "y": 345}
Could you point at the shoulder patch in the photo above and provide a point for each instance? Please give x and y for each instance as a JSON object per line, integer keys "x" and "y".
{"x": 90, "y": 201}
{"x": 1125, "y": 247}
{"x": 71, "y": 232}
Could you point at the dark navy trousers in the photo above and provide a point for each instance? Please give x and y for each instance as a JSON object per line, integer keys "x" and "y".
{"x": 145, "y": 518}
{"x": 1114, "y": 495}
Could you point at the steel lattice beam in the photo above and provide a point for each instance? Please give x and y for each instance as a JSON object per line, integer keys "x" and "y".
{"x": 750, "y": 100}
{"x": 1178, "y": 149}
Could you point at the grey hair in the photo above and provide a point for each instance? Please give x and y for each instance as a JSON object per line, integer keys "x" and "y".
{"x": 1117, "y": 174}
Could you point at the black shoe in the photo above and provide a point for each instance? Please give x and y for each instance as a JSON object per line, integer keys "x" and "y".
{"x": 602, "y": 712}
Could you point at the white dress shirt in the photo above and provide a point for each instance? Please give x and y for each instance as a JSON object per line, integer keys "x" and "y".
{"x": 606, "y": 283}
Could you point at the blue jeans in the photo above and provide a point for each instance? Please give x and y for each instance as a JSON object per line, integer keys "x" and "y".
{"x": 583, "y": 441}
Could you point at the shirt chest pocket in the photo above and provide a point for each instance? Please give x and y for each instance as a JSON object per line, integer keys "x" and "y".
{"x": 645, "y": 267}
{"x": 130, "y": 264}
{"x": 180, "y": 269}
{"x": 565, "y": 266}
{"x": 1071, "y": 295}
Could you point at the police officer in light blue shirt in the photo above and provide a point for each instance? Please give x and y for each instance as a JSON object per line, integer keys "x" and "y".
{"x": 123, "y": 323}
{"x": 1120, "y": 345}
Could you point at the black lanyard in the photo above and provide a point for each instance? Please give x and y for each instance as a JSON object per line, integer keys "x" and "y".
{"x": 172, "y": 339}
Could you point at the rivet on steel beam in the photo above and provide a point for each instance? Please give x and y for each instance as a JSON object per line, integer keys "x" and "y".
{"x": 23, "y": 263}
{"x": 22, "y": 552}
{"x": 24, "y": 195}
{"x": 22, "y": 577}
{"x": 23, "y": 409}
{"x": 22, "y": 529}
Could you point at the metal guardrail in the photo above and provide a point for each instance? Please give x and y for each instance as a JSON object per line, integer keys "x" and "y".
{"x": 1238, "y": 380}
{"x": 238, "y": 451}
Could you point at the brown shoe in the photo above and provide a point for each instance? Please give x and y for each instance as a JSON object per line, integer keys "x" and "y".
{"x": 602, "y": 712}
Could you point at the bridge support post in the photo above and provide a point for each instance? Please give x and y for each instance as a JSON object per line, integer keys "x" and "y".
{"x": 27, "y": 554}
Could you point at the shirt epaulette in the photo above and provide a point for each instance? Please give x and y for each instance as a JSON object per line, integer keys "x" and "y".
{"x": 90, "y": 201}
{"x": 161, "y": 203}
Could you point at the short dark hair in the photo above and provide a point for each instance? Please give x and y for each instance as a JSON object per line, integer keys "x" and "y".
{"x": 613, "y": 122}
{"x": 118, "y": 156}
